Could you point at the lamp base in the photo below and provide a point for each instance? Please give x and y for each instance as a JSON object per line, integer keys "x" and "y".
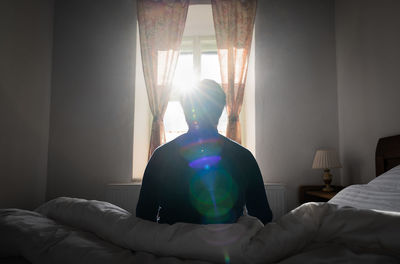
{"x": 328, "y": 189}
{"x": 327, "y": 180}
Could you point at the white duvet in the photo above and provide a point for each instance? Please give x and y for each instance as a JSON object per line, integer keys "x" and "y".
{"x": 70, "y": 230}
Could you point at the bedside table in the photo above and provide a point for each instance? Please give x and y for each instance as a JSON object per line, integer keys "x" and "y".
{"x": 314, "y": 193}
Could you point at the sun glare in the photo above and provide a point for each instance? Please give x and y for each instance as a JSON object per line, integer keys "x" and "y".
{"x": 186, "y": 77}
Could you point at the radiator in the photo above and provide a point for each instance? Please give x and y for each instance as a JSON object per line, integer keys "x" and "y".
{"x": 127, "y": 195}
{"x": 276, "y": 194}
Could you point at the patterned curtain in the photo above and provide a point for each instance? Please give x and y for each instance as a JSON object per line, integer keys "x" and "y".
{"x": 234, "y": 23}
{"x": 161, "y": 25}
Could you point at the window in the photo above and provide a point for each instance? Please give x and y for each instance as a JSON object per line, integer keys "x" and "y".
{"x": 198, "y": 60}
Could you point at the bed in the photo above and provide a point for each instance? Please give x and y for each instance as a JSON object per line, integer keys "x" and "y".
{"x": 383, "y": 192}
{"x": 344, "y": 230}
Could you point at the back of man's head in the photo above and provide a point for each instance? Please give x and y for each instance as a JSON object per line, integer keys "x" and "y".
{"x": 203, "y": 105}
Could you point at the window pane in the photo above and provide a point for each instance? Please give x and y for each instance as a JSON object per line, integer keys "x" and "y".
{"x": 210, "y": 66}
{"x": 223, "y": 121}
{"x": 174, "y": 121}
{"x": 184, "y": 74}
{"x": 208, "y": 44}
{"x": 187, "y": 45}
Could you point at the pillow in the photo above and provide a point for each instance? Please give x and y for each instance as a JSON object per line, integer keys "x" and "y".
{"x": 389, "y": 180}
{"x": 365, "y": 196}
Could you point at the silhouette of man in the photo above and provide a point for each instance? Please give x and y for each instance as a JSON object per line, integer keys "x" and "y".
{"x": 202, "y": 177}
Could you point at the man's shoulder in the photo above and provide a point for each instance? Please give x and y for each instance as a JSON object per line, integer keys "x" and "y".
{"x": 234, "y": 147}
{"x": 167, "y": 147}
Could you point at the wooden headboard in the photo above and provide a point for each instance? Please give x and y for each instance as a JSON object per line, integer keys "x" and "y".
{"x": 387, "y": 154}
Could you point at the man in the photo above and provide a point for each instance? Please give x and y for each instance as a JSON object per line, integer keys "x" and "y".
{"x": 202, "y": 177}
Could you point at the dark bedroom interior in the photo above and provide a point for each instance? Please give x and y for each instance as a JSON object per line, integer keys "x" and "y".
{"x": 91, "y": 89}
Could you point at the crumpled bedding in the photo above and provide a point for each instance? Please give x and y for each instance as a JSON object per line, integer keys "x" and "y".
{"x": 71, "y": 230}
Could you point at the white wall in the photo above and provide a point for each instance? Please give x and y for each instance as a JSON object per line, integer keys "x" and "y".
{"x": 368, "y": 60}
{"x": 296, "y": 96}
{"x": 92, "y": 102}
{"x": 26, "y": 30}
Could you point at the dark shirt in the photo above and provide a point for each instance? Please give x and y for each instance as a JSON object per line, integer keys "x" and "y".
{"x": 202, "y": 178}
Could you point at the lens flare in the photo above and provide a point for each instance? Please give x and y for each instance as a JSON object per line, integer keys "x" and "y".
{"x": 205, "y": 162}
{"x": 227, "y": 258}
{"x": 213, "y": 193}
{"x": 200, "y": 148}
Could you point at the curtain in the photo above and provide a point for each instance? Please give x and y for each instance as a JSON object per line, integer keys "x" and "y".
{"x": 234, "y": 23}
{"x": 161, "y": 25}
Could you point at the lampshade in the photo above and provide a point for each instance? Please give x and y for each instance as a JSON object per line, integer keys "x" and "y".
{"x": 326, "y": 159}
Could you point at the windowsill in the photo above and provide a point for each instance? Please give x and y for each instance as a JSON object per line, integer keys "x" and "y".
{"x": 125, "y": 183}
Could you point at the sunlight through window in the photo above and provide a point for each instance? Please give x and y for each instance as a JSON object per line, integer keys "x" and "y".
{"x": 198, "y": 60}
{"x": 184, "y": 74}
{"x": 210, "y": 66}
{"x": 174, "y": 121}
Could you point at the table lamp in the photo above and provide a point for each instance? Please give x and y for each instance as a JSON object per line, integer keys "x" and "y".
{"x": 326, "y": 159}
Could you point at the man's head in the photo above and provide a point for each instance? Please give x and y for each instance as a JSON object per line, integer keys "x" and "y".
{"x": 204, "y": 104}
